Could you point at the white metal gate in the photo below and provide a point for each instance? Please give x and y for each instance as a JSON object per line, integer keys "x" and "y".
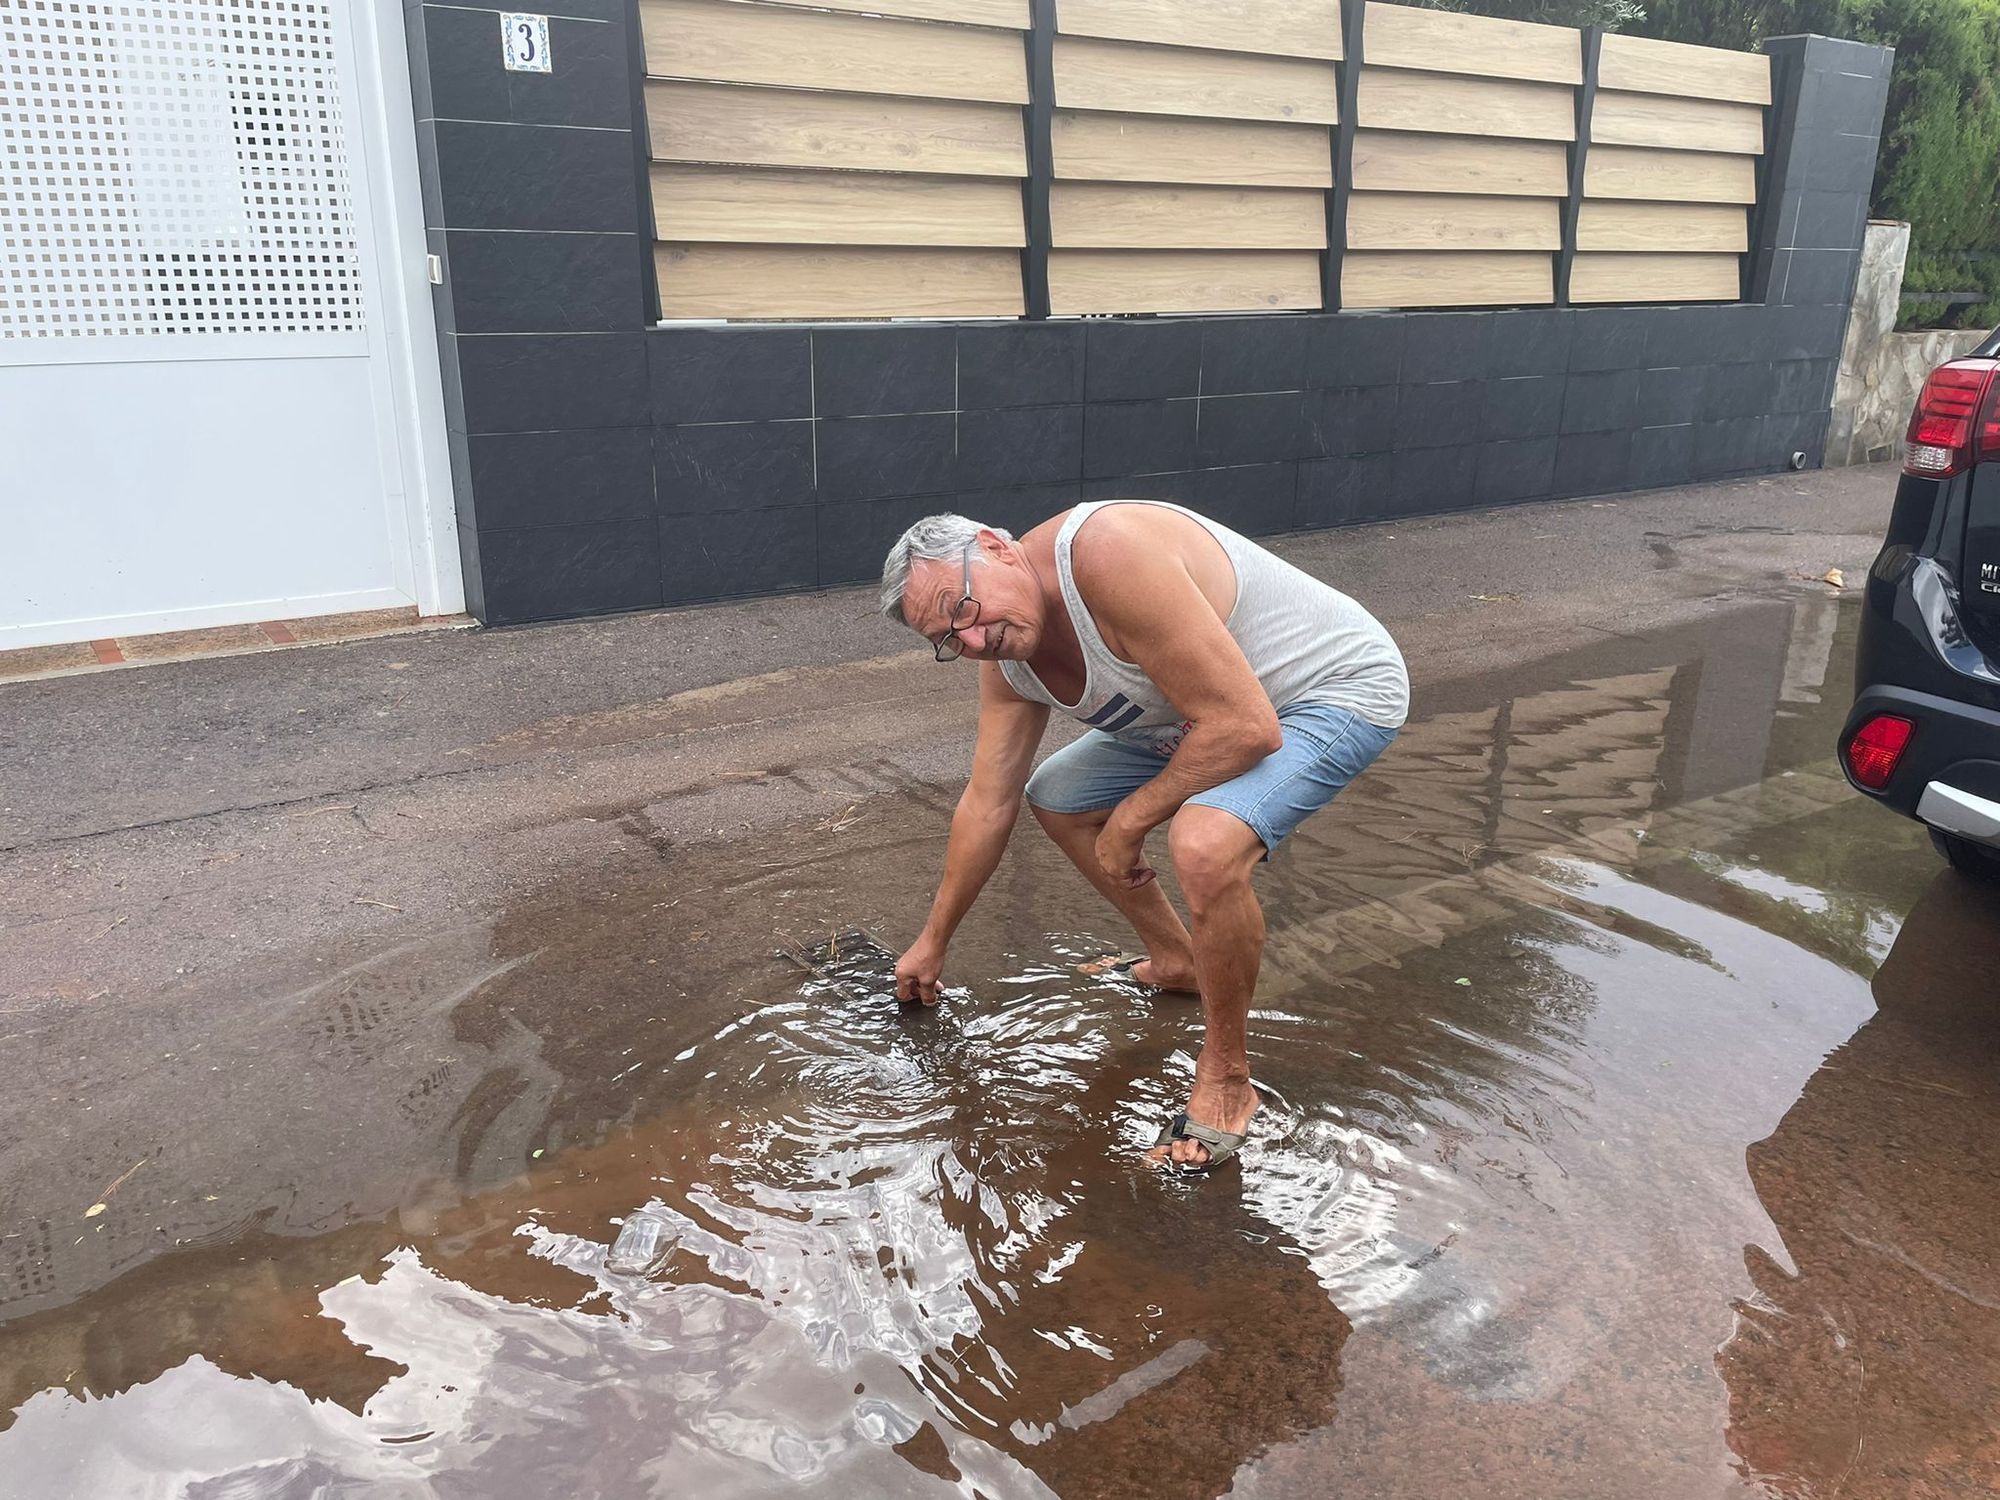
{"x": 219, "y": 398}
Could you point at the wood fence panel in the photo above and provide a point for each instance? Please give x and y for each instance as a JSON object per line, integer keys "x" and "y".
{"x": 1615, "y": 224}
{"x": 1131, "y": 148}
{"x": 1009, "y": 13}
{"x": 1114, "y": 215}
{"x": 1443, "y": 221}
{"x": 728, "y": 42}
{"x": 1447, "y": 278}
{"x": 695, "y": 122}
{"x": 1405, "y": 36}
{"x": 1668, "y": 176}
{"x": 782, "y": 207}
{"x": 1655, "y": 278}
{"x": 1620, "y": 119}
{"x": 1115, "y": 281}
{"x": 1279, "y": 28}
{"x": 1646, "y": 66}
{"x": 759, "y": 281}
{"x": 1389, "y": 161}
{"x": 1450, "y": 104}
{"x": 1128, "y": 76}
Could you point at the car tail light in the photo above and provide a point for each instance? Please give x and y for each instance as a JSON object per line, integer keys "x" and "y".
{"x": 1877, "y": 748}
{"x": 1957, "y": 420}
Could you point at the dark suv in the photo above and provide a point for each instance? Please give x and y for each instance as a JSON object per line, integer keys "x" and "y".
{"x": 1924, "y": 733}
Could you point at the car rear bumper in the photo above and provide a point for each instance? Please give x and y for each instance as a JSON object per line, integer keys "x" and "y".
{"x": 1949, "y": 776}
{"x": 1953, "y": 811}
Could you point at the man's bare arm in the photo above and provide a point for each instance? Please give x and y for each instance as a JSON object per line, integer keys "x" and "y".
{"x": 1143, "y": 593}
{"x": 1010, "y": 728}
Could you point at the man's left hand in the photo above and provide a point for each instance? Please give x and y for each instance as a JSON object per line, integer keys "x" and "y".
{"x": 1121, "y": 854}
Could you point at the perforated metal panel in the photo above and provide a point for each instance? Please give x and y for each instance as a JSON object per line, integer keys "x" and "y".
{"x": 173, "y": 166}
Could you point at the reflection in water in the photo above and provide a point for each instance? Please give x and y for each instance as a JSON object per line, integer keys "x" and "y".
{"x": 1864, "y": 1360}
{"x": 1532, "y": 988}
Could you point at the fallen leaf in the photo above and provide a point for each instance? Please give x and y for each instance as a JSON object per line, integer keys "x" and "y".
{"x": 537, "y": 1153}
{"x": 1461, "y": 980}
{"x": 1835, "y": 577}
{"x": 93, "y": 1211}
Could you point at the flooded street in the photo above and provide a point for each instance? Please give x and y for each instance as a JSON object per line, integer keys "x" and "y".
{"x": 1631, "y": 1129}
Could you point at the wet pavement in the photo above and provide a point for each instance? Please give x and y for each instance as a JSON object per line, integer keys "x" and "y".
{"x": 1631, "y": 1132}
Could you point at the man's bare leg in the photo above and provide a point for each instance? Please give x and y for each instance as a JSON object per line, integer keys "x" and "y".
{"x": 1214, "y": 854}
{"x": 1169, "y": 951}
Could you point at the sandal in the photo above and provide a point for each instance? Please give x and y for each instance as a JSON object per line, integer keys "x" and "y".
{"x": 1222, "y": 1145}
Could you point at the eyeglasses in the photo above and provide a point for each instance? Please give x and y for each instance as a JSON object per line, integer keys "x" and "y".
{"x": 964, "y": 615}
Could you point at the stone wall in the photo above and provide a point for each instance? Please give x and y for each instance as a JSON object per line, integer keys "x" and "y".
{"x": 1881, "y": 371}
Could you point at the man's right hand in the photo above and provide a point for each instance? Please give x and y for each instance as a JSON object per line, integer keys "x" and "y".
{"x": 917, "y": 972}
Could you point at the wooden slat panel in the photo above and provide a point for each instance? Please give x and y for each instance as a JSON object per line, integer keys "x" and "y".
{"x": 1608, "y": 224}
{"x": 777, "y": 207}
{"x": 1091, "y": 74}
{"x": 1654, "y": 67}
{"x": 1113, "y": 215}
{"x": 1110, "y": 281}
{"x": 1012, "y": 13}
{"x": 1446, "y": 278}
{"x": 733, "y": 43}
{"x": 1668, "y": 176}
{"x": 1619, "y": 119}
{"x": 781, "y": 128}
{"x": 1446, "y": 221}
{"x": 1395, "y": 99}
{"x": 1404, "y": 36}
{"x": 757, "y": 281}
{"x": 1281, "y": 28}
{"x": 1389, "y": 161}
{"x": 1134, "y": 148}
{"x": 1656, "y": 278}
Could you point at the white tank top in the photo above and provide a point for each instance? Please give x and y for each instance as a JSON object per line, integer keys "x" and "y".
{"x": 1307, "y": 643}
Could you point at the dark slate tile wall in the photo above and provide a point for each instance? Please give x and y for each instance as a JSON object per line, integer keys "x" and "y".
{"x": 601, "y": 465}
{"x": 531, "y": 203}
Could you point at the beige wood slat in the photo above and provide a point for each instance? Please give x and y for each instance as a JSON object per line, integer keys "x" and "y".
{"x": 701, "y": 122}
{"x": 1093, "y": 74}
{"x": 1609, "y": 224}
{"x": 1446, "y": 278}
{"x": 775, "y": 206}
{"x": 728, "y": 42}
{"x": 1115, "y": 281}
{"x": 766, "y": 281}
{"x": 1389, "y": 161}
{"x": 1011, "y": 13}
{"x": 1647, "y": 66}
{"x": 1111, "y": 215}
{"x": 1280, "y": 28}
{"x": 1443, "y": 103}
{"x": 1405, "y": 36}
{"x": 1655, "y": 278}
{"x": 1620, "y": 119}
{"x": 1668, "y": 176}
{"x": 1447, "y": 221}
{"x": 1138, "y": 148}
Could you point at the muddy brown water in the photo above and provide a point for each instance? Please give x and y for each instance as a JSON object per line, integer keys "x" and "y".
{"x": 1631, "y": 1132}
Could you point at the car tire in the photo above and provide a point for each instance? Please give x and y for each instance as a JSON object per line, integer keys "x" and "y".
{"x": 1974, "y": 861}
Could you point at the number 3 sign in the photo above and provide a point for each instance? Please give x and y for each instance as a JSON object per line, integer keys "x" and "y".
{"x": 524, "y": 40}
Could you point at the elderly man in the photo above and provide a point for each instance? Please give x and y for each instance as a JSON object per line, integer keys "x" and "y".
{"x": 1227, "y": 692}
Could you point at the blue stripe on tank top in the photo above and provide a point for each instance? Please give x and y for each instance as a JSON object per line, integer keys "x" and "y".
{"x": 1118, "y": 701}
{"x": 1124, "y": 720}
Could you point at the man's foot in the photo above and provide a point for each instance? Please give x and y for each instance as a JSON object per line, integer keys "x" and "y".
{"x": 1226, "y": 1106}
{"x": 1176, "y": 975}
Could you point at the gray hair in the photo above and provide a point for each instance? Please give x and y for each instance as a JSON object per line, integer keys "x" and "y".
{"x": 942, "y": 538}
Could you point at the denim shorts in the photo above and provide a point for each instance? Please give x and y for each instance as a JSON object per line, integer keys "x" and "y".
{"x": 1324, "y": 748}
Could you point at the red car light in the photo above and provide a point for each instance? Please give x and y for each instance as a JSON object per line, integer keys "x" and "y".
{"x": 1957, "y": 420}
{"x": 1877, "y": 749}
